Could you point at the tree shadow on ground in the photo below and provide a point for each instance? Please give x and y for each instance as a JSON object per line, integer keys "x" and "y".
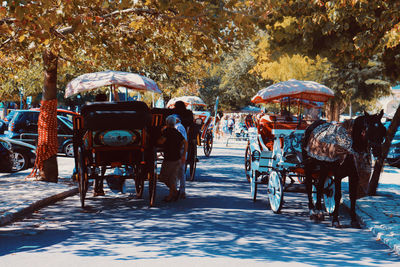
{"x": 218, "y": 219}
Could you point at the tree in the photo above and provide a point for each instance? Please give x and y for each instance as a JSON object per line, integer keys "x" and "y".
{"x": 118, "y": 34}
{"x": 232, "y": 80}
{"x": 348, "y": 33}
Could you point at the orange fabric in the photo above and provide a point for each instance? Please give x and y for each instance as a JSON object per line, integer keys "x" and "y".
{"x": 47, "y": 130}
{"x": 265, "y": 129}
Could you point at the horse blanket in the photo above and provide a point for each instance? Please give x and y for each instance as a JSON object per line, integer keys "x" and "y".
{"x": 332, "y": 142}
{"x": 329, "y": 142}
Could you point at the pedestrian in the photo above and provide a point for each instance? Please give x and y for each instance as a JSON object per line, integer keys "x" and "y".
{"x": 185, "y": 115}
{"x": 231, "y": 124}
{"x": 224, "y": 124}
{"x": 173, "y": 141}
{"x": 181, "y": 174}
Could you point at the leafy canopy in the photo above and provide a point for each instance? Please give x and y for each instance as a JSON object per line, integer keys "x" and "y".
{"x": 161, "y": 38}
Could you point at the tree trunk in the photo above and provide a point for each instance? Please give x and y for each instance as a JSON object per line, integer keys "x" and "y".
{"x": 333, "y": 111}
{"x": 373, "y": 184}
{"x": 49, "y": 171}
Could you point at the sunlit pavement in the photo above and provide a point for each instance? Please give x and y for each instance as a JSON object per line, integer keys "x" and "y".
{"x": 216, "y": 225}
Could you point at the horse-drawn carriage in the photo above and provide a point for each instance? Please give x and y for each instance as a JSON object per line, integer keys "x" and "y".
{"x": 109, "y": 135}
{"x": 202, "y": 118}
{"x": 278, "y": 147}
{"x": 273, "y": 154}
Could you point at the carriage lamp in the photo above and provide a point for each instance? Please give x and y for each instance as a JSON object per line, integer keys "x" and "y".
{"x": 255, "y": 156}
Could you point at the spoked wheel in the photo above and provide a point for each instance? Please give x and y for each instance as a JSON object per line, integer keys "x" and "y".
{"x": 314, "y": 192}
{"x": 329, "y": 194}
{"x": 247, "y": 162}
{"x": 193, "y": 163}
{"x": 275, "y": 191}
{"x": 139, "y": 182}
{"x": 253, "y": 185}
{"x": 83, "y": 179}
{"x": 208, "y": 144}
{"x": 153, "y": 182}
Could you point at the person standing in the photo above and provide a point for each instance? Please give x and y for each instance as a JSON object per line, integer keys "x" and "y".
{"x": 181, "y": 174}
{"x": 173, "y": 141}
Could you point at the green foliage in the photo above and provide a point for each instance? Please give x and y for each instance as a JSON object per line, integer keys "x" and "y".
{"x": 166, "y": 40}
{"x": 232, "y": 80}
{"x": 291, "y": 67}
{"x": 352, "y": 35}
{"x": 343, "y": 31}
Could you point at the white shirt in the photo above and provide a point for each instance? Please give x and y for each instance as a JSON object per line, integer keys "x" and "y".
{"x": 181, "y": 129}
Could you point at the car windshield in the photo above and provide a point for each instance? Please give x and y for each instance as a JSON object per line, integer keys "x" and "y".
{"x": 67, "y": 121}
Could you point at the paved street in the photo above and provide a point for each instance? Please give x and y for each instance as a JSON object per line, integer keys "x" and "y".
{"x": 217, "y": 224}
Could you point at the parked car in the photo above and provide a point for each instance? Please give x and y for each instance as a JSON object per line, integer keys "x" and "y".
{"x": 20, "y": 155}
{"x": 62, "y": 112}
{"x": 5, "y": 156}
{"x": 24, "y": 127}
{"x": 393, "y": 157}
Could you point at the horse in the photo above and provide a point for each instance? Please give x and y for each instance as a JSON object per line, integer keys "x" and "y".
{"x": 346, "y": 145}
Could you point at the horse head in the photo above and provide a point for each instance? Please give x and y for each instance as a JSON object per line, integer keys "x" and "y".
{"x": 369, "y": 132}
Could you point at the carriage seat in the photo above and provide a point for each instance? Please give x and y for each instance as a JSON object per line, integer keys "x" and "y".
{"x": 116, "y": 115}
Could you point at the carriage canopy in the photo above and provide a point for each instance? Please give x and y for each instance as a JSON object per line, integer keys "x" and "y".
{"x": 188, "y": 100}
{"x": 89, "y": 81}
{"x": 306, "y": 90}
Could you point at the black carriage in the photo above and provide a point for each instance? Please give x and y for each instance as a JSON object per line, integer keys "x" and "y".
{"x": 115, "y": 134}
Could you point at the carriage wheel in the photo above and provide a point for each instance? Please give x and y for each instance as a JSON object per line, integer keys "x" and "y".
{"x": 83, "y": 180}
{"x": 314, "y": 193}
{"x": 329, "y": 194}
{"x": 208, "y": 144}
{"x": 247, "y": 162}
{"x": 253, "y": 186}
{"x": 275, "y": 191}
{"x": 193, "y": 163}
{"x": 139, "y": 182}
{"x": 153, "y": 182}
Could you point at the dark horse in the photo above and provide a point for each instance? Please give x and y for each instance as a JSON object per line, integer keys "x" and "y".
{"x": 363, "y": 134}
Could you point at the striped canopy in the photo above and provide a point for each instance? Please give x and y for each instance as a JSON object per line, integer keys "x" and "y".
{"x": 89, "y": 81}
{"x": 306, "y": 90}
{"x": 188, "y": 100}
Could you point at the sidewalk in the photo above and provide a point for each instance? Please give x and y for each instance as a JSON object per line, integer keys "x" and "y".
{"x": 19, "y": 197}
{"x": 380, "y": 214}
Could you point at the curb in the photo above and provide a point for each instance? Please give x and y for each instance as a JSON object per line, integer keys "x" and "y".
{"x": 382, "y": 234}
{"x": 12, "y": 216}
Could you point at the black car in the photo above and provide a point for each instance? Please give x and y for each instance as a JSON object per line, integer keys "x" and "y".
{"x": 16, "y": 155}
{"x": 5, "y": 156}
{"x": 24, "y": 127}
{"x": 393, "y": 157}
